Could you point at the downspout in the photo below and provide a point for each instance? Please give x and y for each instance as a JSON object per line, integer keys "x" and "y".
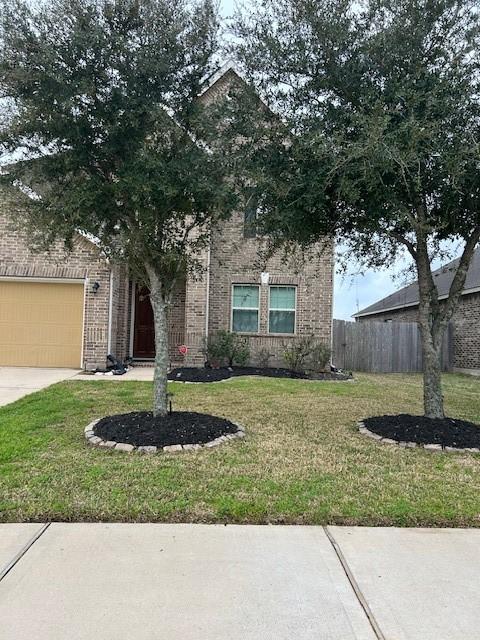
{"x": 207, "y": 297}
{"x": 110, "y": 314}
{"x": 332, "y": 303}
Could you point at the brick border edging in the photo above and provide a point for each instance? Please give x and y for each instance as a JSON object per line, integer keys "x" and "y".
{"x": 96, "y": 441}
{"x": 413, "y": 445}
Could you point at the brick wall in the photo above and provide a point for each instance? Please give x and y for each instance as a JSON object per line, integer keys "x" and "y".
{"x": 195, "y": 312}
{"x": 176, "y": 322}
{"x": 83, "y": 262}
{"x": 466, "y": 321}
{"x": 467, "y": 332}
{"x": 120, "y": 312}
{"x": 235, "y": 260}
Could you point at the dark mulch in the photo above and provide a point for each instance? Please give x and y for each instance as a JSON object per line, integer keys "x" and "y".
{"x": 180, "y": 427}
{"x": 197, "y": 374}
{"x": 407, "y": 428}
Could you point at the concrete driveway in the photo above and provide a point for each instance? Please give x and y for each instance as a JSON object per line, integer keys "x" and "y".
{"x": 211, "y": 582}
{"x": 16, "y": 382}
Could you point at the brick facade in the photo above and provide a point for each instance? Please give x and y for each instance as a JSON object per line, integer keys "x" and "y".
{"x": 466, "y": 322}
{"x": 202, "y": 304}
{"x": 84, "y": 262}
{"x": 232, "y": 259}
{"x": 235, "y": 260}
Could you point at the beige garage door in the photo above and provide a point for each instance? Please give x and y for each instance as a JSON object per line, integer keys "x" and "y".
{"x": 41, "y": 324}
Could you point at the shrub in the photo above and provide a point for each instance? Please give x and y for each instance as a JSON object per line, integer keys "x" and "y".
{"x": 319, "y": 357}
{"x": 225, "y": 347}
{"x": 296, "y": 353}
{"x": 263, "y": 357}
{"x": 306, "y": 354}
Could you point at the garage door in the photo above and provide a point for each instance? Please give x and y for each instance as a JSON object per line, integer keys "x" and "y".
{"x": 41, "y": 324}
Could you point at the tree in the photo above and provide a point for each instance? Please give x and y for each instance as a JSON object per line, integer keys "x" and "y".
{"x": 105, "y": 125}
{"x": 382, "y": 101}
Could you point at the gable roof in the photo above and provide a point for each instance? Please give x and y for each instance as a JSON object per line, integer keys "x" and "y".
{"x": 228, "y": 67}
{"x": 408, "y": 296}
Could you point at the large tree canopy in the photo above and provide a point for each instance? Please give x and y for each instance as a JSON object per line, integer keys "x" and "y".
{"x": 105, "y": 123}
{"x": 381, "y": 101}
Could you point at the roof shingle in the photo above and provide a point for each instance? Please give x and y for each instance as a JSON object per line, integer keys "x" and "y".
{"x": 408, "y": 296}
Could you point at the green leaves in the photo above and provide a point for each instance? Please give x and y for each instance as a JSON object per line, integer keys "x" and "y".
{"x": 105, "y": 97}
{"x": 383, "y": 103}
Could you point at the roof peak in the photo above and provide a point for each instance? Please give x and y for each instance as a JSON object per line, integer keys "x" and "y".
{"x": 227, "y": 66}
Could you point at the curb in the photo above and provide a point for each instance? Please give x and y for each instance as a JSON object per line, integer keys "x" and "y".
{"x": 413, "y": 445}
{"x": 96, "y": 441}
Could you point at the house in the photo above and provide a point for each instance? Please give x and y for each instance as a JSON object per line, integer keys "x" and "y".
{"x": 402, "y": 306}
{"x": 61, "y": 309}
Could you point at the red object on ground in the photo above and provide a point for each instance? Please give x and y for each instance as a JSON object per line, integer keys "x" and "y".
{"x": 183, "y": 349}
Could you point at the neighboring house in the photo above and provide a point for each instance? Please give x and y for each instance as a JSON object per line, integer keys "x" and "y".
{"x": 402, "y": 306}
{"x": 63, "y": 309}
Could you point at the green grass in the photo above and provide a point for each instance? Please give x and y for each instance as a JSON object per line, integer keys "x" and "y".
{"x": 302, "y": 460}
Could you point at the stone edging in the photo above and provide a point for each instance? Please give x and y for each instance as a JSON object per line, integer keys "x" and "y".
{"x": 96, "y": 441}
{"x": 412, "y": 445}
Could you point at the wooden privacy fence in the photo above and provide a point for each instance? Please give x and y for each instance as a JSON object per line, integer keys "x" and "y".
{"x": 383, "y": 347}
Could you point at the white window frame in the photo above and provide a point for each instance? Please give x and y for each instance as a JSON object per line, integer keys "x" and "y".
{"x": 283, "y": 286}
{"x": 257, "y": 309}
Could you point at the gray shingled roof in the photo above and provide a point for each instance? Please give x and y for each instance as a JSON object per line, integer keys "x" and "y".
{"x": 408, "y": 296}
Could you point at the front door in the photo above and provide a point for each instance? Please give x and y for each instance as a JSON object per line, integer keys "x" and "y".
{"x": 144, "y": 332}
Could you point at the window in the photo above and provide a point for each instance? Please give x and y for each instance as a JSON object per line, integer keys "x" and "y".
{"x": 245, "y": 299}
{"x": 281, "y": 312}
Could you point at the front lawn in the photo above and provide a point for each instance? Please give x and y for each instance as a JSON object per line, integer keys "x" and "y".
{"x": 302, "y": 461}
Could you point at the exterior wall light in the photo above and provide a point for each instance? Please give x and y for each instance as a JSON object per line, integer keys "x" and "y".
{"x": 95, "y": 287}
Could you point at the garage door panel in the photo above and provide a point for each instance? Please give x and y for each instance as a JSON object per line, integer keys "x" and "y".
{"x": 26, "y": 335}
{"x": 41, "y": 324}
{"x": 39, "y": 357}
{"x": 46, "y": 313}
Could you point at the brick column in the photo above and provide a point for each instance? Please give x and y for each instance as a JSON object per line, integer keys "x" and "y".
{"x": 195, "y": 313}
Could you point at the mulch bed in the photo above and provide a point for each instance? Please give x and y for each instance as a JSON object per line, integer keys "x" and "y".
{"x": 180, "y": 427}
{"x": 197, "y": 374}
{"x": 407, "y": 428}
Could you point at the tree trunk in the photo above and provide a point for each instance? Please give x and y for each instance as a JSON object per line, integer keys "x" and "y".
{"x": 432, "y": 373}
{"x": 159, "y": 307}
{"x": 431, "y": 330}
{"x": 433, "y": 318}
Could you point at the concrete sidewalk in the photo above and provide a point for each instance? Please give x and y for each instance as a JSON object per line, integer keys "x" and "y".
{"x": 212, "y": 582}
{"x": 16, "y": 382}
{"x": 142, "y": 374}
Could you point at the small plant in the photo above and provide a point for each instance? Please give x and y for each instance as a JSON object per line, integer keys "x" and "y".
{"x": 319, "y": 357}
{"x": 263, "y": 358}
{"x": 306, "y": 354}
{"x": 296, "y": 353}
{"x": 225, "y": 347}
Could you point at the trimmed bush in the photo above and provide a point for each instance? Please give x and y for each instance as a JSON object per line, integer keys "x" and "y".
{"x": 306, "y": 354}
{"x": 226, "y": 348}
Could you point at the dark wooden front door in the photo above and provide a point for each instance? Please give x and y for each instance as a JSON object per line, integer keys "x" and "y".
{"x": 144, "y": 332}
